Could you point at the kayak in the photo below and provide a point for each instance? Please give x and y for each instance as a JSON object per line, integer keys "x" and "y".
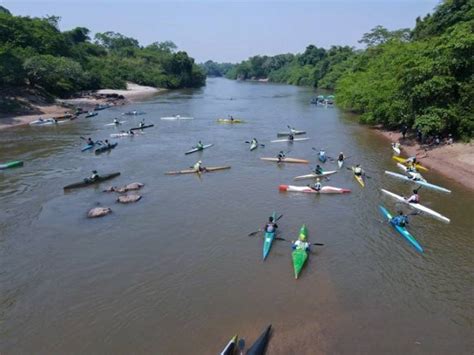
{"x": 133, "y": 113}
{"x": 87, "y": 182}
{"x": 268, "y": 240}
{"x": 402, "y": 230}
{"x": 43, "y": 122}
{"x": 340, "y": 163}
{"x": 177, "y": 117}
{"x": 192, "y": 171}
{"x": 289, "y": 140}
{"x": 11, "y": 164}
{"x": 227, "y": 120}
{"x": 230, "y": 347}
{"x": 194, "y": 150}
{"x": 115, "y": 124}
{"x": 314, "y": 175}
{"x": 123, "y": 134}
{"x": 359, "y": 179}
{"x": 421, "y": 183}
{"x": 418, "y": 207}
{"x": 306, "y": 189}
{"x": 253, "y": 145}
{"x": 87, "y": 147}
{"x": 405, "y": 169}
{"x": 396, "y": 149}
{"x": 105, "y": 148}
{"x": 322, "y": 157}
{"x": 91, "y": 114}
{"x": 299, "y": 256}
{"x": 287, "y": 160}
{"x": 260, "y": 345}
{"x": 295, "y": 133}
{"x": 404, "y": 161}
{"x": 143, "y": 127}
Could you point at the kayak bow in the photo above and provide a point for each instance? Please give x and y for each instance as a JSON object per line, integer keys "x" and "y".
{"x": 299, "y": 256}
{"x": 260, "y": 345}
{"x": 11, "y": 164}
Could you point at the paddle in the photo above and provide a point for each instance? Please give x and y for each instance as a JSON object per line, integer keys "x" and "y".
{"x": 286, "y": 240}
{"x": 261, "y": 230}
{"x": 241, "y": 345}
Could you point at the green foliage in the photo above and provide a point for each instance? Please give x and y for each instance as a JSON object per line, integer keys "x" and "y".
{"x": 4, "y": 11}
{"x": 216, "y": 69}
{"x": 34, "y": 53}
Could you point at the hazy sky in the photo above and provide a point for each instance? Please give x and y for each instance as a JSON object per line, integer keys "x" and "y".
{"x": 232, "y": 31}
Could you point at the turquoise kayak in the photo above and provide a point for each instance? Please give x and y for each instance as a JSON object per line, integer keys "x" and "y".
{"x": 11, "y": 164}
{"x": 402, "y": 230}
{"x": 268, "y": 240}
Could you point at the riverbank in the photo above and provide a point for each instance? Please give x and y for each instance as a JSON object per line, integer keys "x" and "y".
{"x": 85, "y": 102}
{"x": 455, "y": 161}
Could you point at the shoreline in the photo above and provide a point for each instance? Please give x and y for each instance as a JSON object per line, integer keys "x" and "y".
{"x": 455, "y": 161}
{"x": 85, "y": 102}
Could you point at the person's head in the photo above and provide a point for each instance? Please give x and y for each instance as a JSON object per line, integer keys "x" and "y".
{"x": 199, "y": 162}
{"x": 400, "y": 213}
{"x": 302, "y": 237}
{"x": 270, "y": 219}
{"x": 107, "y": 141}
{"x": 200, "y": 142}
{"x": 94, "y": 171}
{"x": 358, "y": 166}
{"x": 415, "y": 192}
{"x": 318, "y": 166}
{"x": 341, "y": 153}
{"x": 318, "y": 180}
{"x": 281, "y": 151}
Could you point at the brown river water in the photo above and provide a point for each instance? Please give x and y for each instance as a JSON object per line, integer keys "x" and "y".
{"x": 176, "y": 272}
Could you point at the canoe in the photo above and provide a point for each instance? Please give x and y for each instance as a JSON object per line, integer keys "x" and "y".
{"x": 137, "y": 128}
{"x": 340, "y": 163}
{"x": 226, "y": 120}
{"x": 421, "y": 183}
{"x": 359, "y": 179}
{"x": 396, "y": 149}
{"x": 253, "y": 146}
{"x": 418, "y": 207}
{"x": 115, "y": 124}
{"x": 119, "y": 135}
{"x": 295, "y": 133}
{"x": 288, "y": 140}
{"x": 177, "y": 117}
{"x": 287, "y": 160}
{"x": 314, "y": 176}
{"x": 11, "y": 164}
{"x": 192, "y": 171}
{"x": 105, "y": 148}
{"x": 87, "y": 182}
{"x": 402, "y": 230}
{"x": 299, "y": 256}
{"x": 322, "y": 158}
{"x": 268, "y": 240}
{"x": 230, "y": 347}
{"x": 404, "y": 161}
{"x": 194, "y": 150}
{"x": 306, "y": 189}
{"x": 87, "y": 147}
{"x": 260, "y": 345}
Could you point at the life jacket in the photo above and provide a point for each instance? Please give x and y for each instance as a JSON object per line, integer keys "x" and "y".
{"x": 414, "y": 198}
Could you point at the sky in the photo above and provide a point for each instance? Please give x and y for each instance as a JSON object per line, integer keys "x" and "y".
{"x": 232, "y": 31}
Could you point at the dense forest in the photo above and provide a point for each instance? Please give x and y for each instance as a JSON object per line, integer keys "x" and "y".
{"x": 212, "y": 68}
{"x": 422, "y": 78}
{"x": 34, "y": 53}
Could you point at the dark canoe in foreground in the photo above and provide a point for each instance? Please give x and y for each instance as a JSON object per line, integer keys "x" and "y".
{"x": 192, "y": 171}
{"x": 105, "y": 148}
{"x": 260, "y": 345}
{"x": 11, "y": 164}
{"x": 146, "y": 126}
{"x": 87, "y": 182}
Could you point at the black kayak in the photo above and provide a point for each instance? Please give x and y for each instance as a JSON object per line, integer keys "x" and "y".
{"x": 105, "y": 148}
{"x": 87, "y": 182}
{"x": 260, "y": 345}
{"x": 146, "y": 126}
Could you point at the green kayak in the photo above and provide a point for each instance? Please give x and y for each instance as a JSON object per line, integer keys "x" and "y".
{"x": 11, "y": 164}
{"x": 299, "y": 255}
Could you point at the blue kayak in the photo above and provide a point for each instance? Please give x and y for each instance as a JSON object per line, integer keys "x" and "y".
{"x": 87, "y": 147}
{"x": 268, "y": 239}
{"x": 402, "y": 230}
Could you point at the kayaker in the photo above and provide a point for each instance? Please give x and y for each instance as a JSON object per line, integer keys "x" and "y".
{"x": 301, "y": 243}
{"x": 291, "y": 137}
{"x": 358, "y": 170}
{"x": 322, "y": 154}
{"x": 200, "y": 146}
{"x": 414, "y": 175}
{"x": 116, "y": 121}
{"x": 341, "y": 156}
{"x": 130, "y": 132}
{"x": 411, "y": 160}
{"x": 90, "y": 141}
{"x": 318, "y": 170}
{"x": 317, "y": 185}
{"x": 94, "y": 176}
{"x": 231, "y": 118}
{"x": 271, "y": 226}
{"x": 415, "y": 198}
{"x": 404, "y": 131}
{"x": 142, "y": 124}
{"x": 254, "y": 141}
{"x": 400, "y": 220}
{"x": 198, "y": 167}
{"x": 107, "y": 143}
{"x": 281, "y": 156}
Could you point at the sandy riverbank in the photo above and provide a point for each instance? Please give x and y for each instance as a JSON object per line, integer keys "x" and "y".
{"x": 454, "y": 161}
{"x": 87, "y": 102}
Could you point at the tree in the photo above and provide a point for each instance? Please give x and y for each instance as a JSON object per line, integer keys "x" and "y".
{"x": 115, "y": 41}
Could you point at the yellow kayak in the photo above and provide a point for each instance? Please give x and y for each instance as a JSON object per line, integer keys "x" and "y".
{"x": 359, "y": 179}
{"x": 228, "y": 120}
{"x": 404, "y": 161}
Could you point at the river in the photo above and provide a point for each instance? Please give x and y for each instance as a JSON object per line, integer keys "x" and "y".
{"x": 176, "y": 272}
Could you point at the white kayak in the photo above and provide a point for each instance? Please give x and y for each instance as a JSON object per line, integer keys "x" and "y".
{"x": 405, "y": 169}
{"x": 115, "y": 124}
{"x": 421, "y": 183}
{"x": 314, "y": 175}
{"x": 177, "y": 117}
{"x": 294, "y": 132}
{"x": 418, "y": 207}
{"x": 289, "y": 141}
{"x": 396, "y": 148}
{"x": 340, "y": 163}
{"x": 306, "y": 189}
{"x": 43, "y": 122}
{"x": 119, "y": 135}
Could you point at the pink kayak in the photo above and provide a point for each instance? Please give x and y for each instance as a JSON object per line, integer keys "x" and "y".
{"x": 324, "y": 189}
